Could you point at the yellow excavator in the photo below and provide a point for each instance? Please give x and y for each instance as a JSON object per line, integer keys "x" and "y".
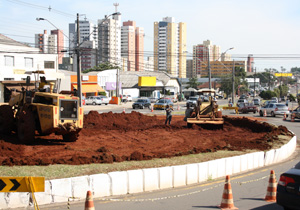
{"x": 44, "y": 112}
{"x": 206, "y": 111}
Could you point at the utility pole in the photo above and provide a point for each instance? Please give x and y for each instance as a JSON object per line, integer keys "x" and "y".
{"x": 254, "y": 82}
{"x": 233, "y": 79}
{"x": 78, "y": 63}
{"x": 209, "y": 71}
{"x": 269, "y": 79}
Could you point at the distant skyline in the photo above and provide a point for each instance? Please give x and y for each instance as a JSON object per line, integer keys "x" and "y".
{"x": 268, "y": 29}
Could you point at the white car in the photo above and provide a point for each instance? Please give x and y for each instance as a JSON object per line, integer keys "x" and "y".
{"x": 104, "y": 100}
{"x": 93, "y": 100}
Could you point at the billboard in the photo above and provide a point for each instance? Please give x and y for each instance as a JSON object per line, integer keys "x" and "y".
{"x": 147, "y": 81}
{"x": 283, "y": 74}
{"x": 111, "y": 85}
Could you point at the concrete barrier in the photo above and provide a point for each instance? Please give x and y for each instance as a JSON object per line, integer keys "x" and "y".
{"x": 192, "y": 173}
{"x": 236, "y": 164}
{"x": 165, "y": 175}
{"x": 61, "y": 190}
{"x": 80, "y": 185}
{"x": 269, "y": 157}
{"x": 119, "y": 185}
{"x": 212, "y": 169}
{"x": 101, "y": 185}
{"x": 179, "y": 176}
{"x": 135, "y": 181}
{"x": 44, "y": 197}
{"x": 229, "y": 165}
{"x": 150, "y": 179}
{"x": 203, "y": 171}
{"x": 221, "y": 167}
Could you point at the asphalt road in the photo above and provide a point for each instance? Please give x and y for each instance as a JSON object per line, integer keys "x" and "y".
{"x": 248, "y": 189}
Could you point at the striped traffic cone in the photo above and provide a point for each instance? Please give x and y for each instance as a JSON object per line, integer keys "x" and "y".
{"x": 89, "y": 203}
{"x": 124, "y": 110}
{"x": 151, "y": 108}
{"x": 272, "y": 187}
{"x": 293, "y": 117}
{"x": 265, "y": 113}
{"x": 227, "y": 198}
{"x": 284, "y": 116}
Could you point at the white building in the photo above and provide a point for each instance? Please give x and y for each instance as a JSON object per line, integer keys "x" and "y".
{"x": 17, "y": 61}
{"x": 47, "y": 43}
{"x": 109, "y": 40}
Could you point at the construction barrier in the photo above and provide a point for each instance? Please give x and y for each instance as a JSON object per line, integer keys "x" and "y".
{"x": 227, "y": 198}
{"x": 89, "y": 203}
{"x": 265, "y": 113}
{"x": 232, "y": 107}
{"x": 293, "y": 117}
{"x": 272, "y": 187}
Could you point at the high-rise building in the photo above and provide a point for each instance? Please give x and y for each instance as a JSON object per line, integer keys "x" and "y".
{"x": 132, "y": 45}
{"x": 250, "y": 62}
{"x": 189, "y": 68}
{"x": 46, "y": 43}
{"x": 109, "y": 40}
{"x": 60, "y": 44}
{"x": 170, "y": 47}
{"x": 203, "y": 53}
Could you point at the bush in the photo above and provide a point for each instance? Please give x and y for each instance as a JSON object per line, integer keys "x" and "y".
{"x": 291, "y": 98}
{"x": 267, "y": 95}
{"x": 102, "y": 93}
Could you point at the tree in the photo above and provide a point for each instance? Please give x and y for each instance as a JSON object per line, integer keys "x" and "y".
{"x": 193, "y": 83}
{"x": 102, "y": 67}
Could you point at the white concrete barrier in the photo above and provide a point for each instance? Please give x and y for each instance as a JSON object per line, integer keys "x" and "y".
{"x": 44, "y": 197}
{"x": 212, "y": 169}
{"x": 269, "y": 157}
{"x": 135, "y": 181}
{"x": 203, "y": 171}
{"x": 80, "y": 185}
{"x": 244, "y": 163}
{"x": 17, "y": 199}
{"x": 179, "y": 176}
{"x": 165, "y": 179}
{"x": 192, "y": 173}
{"x": 150, "y": 179}
{"x": 250, "y": 161}
{"x": 101, "y": 185}
{"x": 236, "y": 164}
{"x": 229, "y": 165}
{"x": 221, "y": 167}
{"x": 61, "y": 189}
{"x": 119, "y": 184}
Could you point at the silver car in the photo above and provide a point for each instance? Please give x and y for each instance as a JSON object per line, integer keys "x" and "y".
{"x": 104, "y": 100}
{"x": 274, "y": 109}
{"x": 93, "y": 100}
{"x": 296, "y": 112}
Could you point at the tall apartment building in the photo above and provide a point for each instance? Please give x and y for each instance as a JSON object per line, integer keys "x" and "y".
{"x": 132, "y": 46}
{"x": 189, "y": 68}
{"x": 109, "y": 40}
{"x": 170, "y": 47}
{"x": 47, "y": 43}
{"x": 60, "y": 44}
{"x": 203, "y": 53}
{"x": 87, "y": 30}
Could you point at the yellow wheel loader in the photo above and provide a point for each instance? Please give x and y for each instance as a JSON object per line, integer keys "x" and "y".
{"x": 206, "y": 110}
{"x": 44, "y": 112}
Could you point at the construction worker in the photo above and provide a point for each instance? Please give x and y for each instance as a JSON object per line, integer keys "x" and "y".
{"x": 43, "y": 82}
{"x": 188, "y": 112}
{"x": 168, "y": 114}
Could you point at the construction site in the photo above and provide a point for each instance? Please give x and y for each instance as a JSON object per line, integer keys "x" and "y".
{"x": 116, "y": 137}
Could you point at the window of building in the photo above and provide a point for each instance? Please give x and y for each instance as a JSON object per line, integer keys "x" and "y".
{"x": 28, "y": 62}
{"x": 49, "y": 64}
{"x": 9, "y": 60}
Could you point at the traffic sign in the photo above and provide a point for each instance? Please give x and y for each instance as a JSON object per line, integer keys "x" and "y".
{"x": 283, "y": 74}
{"x": 22, "y": 184}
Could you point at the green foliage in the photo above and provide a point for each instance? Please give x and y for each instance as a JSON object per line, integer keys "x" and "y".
{"x": 291, "y": 97}
{"x": 295, "y": 70}
{"x": 102, "y": 67}
{"x": 102, "y": 93}
{"x": 267, "y": 95}
{"x": 282, "y": 90}
{"x": 193, "y": 83}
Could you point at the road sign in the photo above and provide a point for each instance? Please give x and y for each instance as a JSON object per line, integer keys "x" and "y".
{"x": 22, "y": 184}
{"x": 283, "y": 74}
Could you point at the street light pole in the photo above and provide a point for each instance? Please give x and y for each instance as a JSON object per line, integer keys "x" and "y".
{"x": 233, "y": 79}
{"x": 209, "y": 71}
{"x": 78, "y": 63}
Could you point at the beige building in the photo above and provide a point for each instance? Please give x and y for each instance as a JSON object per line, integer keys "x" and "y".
{"x": 170, "y": 47}
{"x": 221, "y": 68}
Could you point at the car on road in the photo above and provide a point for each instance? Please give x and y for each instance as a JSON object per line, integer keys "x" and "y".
{"x": 268, "y": 102}
{"x": 162, "y": 104}
{"x": 192, "y": 101}
{"x": 141, "y": 103}
{"x": 104, "y": 99}
{"x": 288, "y": 188}
{"x": 247, "y": 107}
{"x": 256, "y": 101}
{"x": 93, "y": 100}
{"x": 274, "y": 99}
{"x": 126, "y": 98}
{"x": 296, "y": 112}
{"x": 274, "y": 109}
{"x": 241, "y": 101}
{"x": 243, "y": 97}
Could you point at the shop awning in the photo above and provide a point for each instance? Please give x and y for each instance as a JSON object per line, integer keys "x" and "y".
{"x": 87, "y": 88}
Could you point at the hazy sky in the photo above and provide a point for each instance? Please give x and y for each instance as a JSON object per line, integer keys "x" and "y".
{"x": 268, "y": 29}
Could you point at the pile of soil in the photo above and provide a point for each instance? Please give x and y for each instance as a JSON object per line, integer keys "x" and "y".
{"x": 115, "y": 137}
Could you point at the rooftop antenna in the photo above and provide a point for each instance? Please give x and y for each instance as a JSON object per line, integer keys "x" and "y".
{"x": 116, "y": 7}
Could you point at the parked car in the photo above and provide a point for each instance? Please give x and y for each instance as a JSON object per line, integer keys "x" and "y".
{"x": 93, "y": 100}
{"x": 256, "y": 101}
{"x": 247, "y": 107}
{"x": 241, "y": 101}
{"x": 274, "y": 109}
{"x": 153, "y": 100}
{"x": 162, "y": 104}
{"x": 192, "y": 101}
{"x": 104, "y": 99}
{"x": 296, "y": 112}
{"x": 243, "y": 97}
{"x": 288, "y": 188}
{"x": 141, "y": 103}
{"x": 126, "y": 98}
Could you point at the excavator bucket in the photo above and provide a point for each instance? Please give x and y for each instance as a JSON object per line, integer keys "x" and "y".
{"x": 215, "y": 121}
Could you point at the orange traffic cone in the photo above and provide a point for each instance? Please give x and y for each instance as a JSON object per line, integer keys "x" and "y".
{"x": 271, "y": 191}
{"x": 124, "y": 110}
{"x": 89, "y": 203}
{"x": 265, "y": 113}
{"x": 284, "y": 116}
{"x": 293, "y": 117}
{"x": 151, "y": 108}
{"x": 227, "y": 198}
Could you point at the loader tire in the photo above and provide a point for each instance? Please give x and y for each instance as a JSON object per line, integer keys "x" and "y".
{"x": 6, "y": 119}
{"x": 189, "y": 125}
{"x": 26, "y": 127}
{"x": 70, "y": 137}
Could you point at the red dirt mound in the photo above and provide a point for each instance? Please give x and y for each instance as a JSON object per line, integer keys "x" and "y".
{"x": 111, "y": 137}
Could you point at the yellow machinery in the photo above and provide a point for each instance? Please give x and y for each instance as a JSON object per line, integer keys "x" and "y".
{"x": 44, "y": 112}
{"x": 206, "y": 111}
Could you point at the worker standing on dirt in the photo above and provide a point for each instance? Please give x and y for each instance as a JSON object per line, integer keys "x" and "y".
{"x": 188, "y": 112}
{"x": 168, "y": 114}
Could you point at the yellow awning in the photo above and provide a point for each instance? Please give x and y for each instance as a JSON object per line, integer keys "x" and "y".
{"x": 87, "y": 88}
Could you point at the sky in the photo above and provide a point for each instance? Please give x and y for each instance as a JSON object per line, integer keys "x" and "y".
{"x": 267, "y": 29}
